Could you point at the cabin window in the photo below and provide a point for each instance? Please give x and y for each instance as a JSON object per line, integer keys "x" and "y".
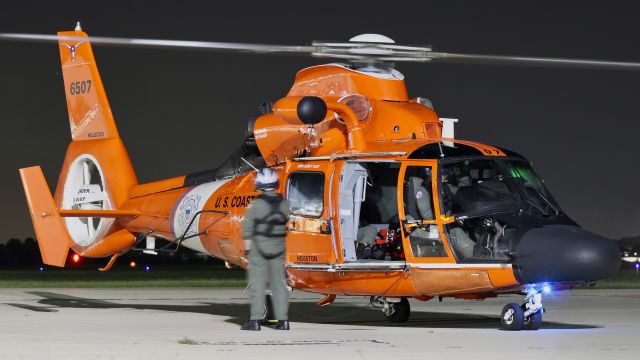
{"x": 305, "y": 192}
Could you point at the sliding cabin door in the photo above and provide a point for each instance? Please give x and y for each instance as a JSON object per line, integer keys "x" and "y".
{"x": 353, "y": 184}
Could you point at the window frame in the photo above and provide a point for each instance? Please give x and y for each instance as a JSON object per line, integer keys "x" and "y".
{"x": 324, "y": 179}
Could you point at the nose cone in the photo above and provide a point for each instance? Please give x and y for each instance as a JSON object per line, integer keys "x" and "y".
{"x": 562, "y": 253}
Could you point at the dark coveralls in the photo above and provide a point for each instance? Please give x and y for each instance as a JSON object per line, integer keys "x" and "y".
{"x": 264, "y": 224}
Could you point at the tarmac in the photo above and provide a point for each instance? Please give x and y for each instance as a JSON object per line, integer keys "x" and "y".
{"x": 202, "y": 323}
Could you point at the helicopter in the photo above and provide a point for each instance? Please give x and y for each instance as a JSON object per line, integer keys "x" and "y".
{"x": 385, "y": 201}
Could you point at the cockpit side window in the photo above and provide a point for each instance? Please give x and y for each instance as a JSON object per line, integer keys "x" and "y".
{"x": 418, "y": 197}
{"x": 475, "y": 191}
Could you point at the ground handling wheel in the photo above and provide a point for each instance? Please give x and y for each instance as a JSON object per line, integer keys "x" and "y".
{"x": 533, "y": 322}
{"x": 512, "y": 317}
{"x": 398, "y": 312}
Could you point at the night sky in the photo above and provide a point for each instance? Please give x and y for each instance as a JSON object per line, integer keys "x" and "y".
{"x": 183, "y": 111}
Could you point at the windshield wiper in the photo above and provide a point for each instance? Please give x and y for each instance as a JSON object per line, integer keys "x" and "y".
{"x": 550, "y": 204}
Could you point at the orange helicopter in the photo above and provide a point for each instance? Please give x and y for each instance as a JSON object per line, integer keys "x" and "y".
{"x": 385, "y": 201}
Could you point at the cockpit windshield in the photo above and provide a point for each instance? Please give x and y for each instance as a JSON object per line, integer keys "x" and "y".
{"x": 472, "y": 187}
{"x": 483, "y": 195}
{"x": 532, "y": 185}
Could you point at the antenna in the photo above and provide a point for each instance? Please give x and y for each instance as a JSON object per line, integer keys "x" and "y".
{"x": 440, "y": 147}
{"x": 248, "y": 163}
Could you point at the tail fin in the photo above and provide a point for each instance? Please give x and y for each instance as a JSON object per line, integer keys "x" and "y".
{"x": 51, "y": 233}
{"x": 97, "y": 174}
{"x": 90, "y": 115}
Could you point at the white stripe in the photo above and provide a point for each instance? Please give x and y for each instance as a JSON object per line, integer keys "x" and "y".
{"x": 457, "y": 266}
{"x": 391, "y": 266}
{"x": 397, "y": 265}
{"x": 305, "y": 266}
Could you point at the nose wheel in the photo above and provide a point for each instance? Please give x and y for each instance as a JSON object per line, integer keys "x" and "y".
{"x": 527, "y": 316}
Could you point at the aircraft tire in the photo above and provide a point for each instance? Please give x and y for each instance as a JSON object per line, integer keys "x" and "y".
{"x": 533, "y": 322}
{"x": 514, "y": 317}
{"x": 401, "y": 313}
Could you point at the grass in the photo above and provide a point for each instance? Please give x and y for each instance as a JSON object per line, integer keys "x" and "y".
{"x": 184, "y": 276}
{"x": 625, "y": 279}
{"x": 188, "y": 341}
{"x": 123, "y": 278}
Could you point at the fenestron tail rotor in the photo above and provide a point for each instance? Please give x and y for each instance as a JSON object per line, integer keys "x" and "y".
{"x": 365, "y": 48}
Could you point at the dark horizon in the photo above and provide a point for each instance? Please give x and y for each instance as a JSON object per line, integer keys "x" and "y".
{"x": 184, "y": 111}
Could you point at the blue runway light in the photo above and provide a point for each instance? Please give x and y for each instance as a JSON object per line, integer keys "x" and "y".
{"x": 546, "y": 288}
{"x": 637, "y": 266}
{"x": 147, "y": 268}
{"x": 41, "y": 268}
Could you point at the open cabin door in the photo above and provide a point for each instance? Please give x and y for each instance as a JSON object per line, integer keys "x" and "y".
{"x": 309, "y": 239}
{"x": 353, "y": 183}
{"x": 422, "y": 225}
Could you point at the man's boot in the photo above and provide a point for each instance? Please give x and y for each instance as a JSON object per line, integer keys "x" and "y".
{"x": 253, "y": 325}
{"x": 281, "y": 325}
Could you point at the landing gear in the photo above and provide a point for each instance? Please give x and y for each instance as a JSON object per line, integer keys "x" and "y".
{"x": 533, "y": 322}
{"x": 512, "y": 317}
{"x": 533, "y": 310}
{"x": 527, "y": 316}
{"x": 396, "y": 310}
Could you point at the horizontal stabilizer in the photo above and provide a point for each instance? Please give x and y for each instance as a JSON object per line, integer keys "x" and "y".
{"x": 52, "y": 235}
{"x": 99, "y": 213}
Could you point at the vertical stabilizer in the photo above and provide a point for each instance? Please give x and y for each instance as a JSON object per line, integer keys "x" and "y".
{"x": 89, "y": 111}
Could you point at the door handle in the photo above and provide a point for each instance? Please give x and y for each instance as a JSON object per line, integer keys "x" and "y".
{"x": 364, "y": 187}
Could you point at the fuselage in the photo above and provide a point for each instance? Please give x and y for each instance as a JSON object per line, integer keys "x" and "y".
{"x": 322, "y": 237}
{"x": 384, "y": 200}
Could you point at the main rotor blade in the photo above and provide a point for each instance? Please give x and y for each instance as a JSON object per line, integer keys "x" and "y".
{"x": 349, "y": 51}
{"x": 166, "y": 44}
{"x": 532, "y": 61}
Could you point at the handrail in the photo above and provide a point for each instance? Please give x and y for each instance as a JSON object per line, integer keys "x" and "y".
{"x": 352, "y": 155}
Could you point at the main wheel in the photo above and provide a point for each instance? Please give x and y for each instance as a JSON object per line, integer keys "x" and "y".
{"x": 512, "y": 317}
{"x": 534, "y": 321}
{"x": 400, "y": 311}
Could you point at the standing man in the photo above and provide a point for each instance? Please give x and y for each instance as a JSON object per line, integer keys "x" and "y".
{"x": 264, "y": 228}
